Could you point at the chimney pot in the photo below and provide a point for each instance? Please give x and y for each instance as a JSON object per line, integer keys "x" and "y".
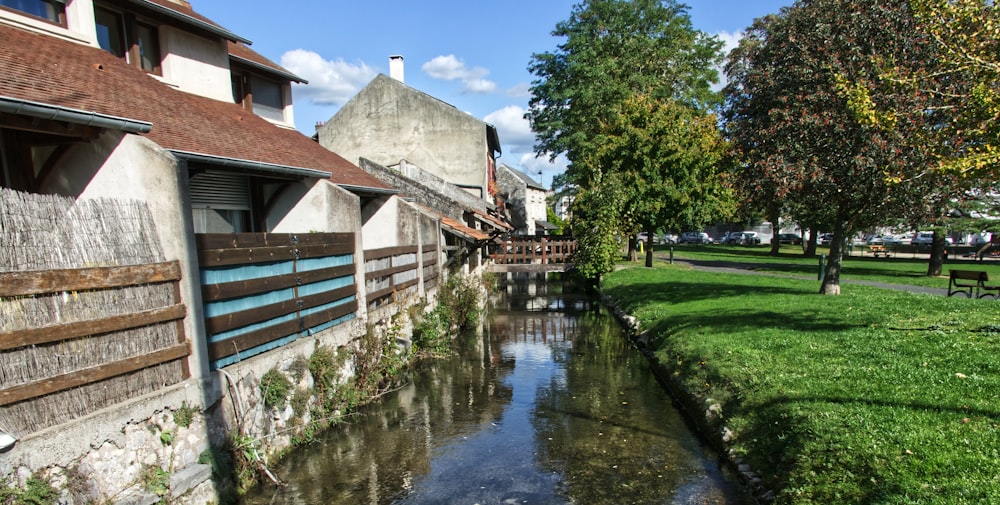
{"x": 396, "y": 67}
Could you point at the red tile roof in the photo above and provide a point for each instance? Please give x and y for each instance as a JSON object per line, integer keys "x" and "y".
{"x": 456, "y": 228}
{"x": 44, "y": 69}
{"x": 242, "y": 51}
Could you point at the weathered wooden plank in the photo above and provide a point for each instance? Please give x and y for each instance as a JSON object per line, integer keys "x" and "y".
{"x": 385, "y": 272}
{"x": 267, "y": 254}
{"x": 385, "y": 252}
{"x": 249, "y": 340}
{"x": 250, "y": 240}
{"x": 66, "y": 331}
{"x": 81, "y": 279}
{"x": 236, "y": 289}
{"x": 405, "y": 284}
{"x": 375, "y": 295}
{"x": 226, "y": 322}
{"x": 90, "y": 375}
{"x": 330, "y": 314}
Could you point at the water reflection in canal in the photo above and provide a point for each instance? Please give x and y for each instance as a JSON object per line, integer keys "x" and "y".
{"x": 550, "y": 404}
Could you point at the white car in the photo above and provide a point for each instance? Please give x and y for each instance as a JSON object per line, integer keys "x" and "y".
{"x": 926, "y": 238}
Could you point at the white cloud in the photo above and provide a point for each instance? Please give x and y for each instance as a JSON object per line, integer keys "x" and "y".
{"x": 532, "y": 165}
{"x": 522, "y": 90}
{"x": 513, "y": 128}
{"x": 331, "y": 82}
{"x": 730, "y": 41}
{"x": 450, "y": 68}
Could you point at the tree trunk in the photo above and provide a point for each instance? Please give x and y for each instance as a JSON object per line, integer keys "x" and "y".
{"x": 774, "y": 215}
{"x": 650, "y": 238}
{"x": 809, "y": 246}
{"x": 831, "y": 281}
{"x": 938, "y": 253}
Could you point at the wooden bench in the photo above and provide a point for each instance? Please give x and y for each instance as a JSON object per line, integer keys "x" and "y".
{"x": 878, "y": 249}
{"x": 971, "y": 282}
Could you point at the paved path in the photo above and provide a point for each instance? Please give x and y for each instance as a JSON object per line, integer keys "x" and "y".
{"x": 753, "y": 269}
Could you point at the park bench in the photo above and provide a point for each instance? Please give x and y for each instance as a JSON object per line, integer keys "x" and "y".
{"x": 971, "y": 282}
{"x": 878, "y": 249}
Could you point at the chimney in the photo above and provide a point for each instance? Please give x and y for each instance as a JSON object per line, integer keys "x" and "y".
{"x": 396, "y": 67}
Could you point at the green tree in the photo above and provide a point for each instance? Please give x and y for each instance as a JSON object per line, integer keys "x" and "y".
{"x": 668, "y": 155}
{"x": 963, "y": 76}
{"x": 613, "y": 51}
{"x": 794, "y": 129}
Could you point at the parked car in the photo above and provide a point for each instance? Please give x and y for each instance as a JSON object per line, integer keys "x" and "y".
{"x": 825, "y": 239}
{"x": 891, "y": 240}
{"x": 789, "y": 238}
{"x": 731, "y": 237}
{"x": 926, "y": 238}
{"x": 874, "y": 240}
{"x": 694, "y": 237}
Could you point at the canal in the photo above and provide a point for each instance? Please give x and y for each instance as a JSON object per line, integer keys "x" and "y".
{"x": 548, "y": 404}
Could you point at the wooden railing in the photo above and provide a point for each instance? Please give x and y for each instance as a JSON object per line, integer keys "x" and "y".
{"x": 262, "y": 291}
{"x": 543, "y": 250}
{"x": 388, "y": 271}
{"x": 71, "y": 282}
{"x": 432, "y": 268}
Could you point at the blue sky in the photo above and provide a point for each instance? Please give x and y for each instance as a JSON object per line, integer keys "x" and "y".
{"x": 473, "y": 55}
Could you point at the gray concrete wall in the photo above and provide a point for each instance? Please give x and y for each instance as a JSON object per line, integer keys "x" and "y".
{"x": 388, "y": 121}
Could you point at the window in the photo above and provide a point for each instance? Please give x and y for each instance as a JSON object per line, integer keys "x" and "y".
{"x": 53, "y": 11}
{"x": 110, "y": 31}
{"x": 122, "y": 35}
{"x": 266, "y": 98}
{"x": 263, "y": 96}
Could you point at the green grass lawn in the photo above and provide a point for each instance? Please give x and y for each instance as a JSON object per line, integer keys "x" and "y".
{"x": 902, "y": 268}
{"x": 873, "y": 396}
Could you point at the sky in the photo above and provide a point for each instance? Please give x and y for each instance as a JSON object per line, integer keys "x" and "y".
{"x": 468, "y": 53}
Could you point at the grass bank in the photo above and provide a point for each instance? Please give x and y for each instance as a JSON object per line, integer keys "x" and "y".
{"x": 874, "y": 396}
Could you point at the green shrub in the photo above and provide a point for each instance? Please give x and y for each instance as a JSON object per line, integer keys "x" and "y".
{"x": 274, "y": 387}
{"x": 36, "y": 491}
{"x": 184, "y": 416}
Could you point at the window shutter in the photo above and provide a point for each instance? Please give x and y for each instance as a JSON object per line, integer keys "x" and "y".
{"x": 220, "y": 190}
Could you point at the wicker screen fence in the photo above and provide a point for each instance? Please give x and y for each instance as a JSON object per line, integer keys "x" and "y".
{"x": 90, "y": 313}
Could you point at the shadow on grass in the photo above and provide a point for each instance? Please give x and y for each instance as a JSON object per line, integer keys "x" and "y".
{"x": 633, "y": 295}
{"x": 779, "y": 435}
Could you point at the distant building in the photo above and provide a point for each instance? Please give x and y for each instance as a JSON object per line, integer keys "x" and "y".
{"x": 388, "y": 121}
{"x": 525, "y": 201}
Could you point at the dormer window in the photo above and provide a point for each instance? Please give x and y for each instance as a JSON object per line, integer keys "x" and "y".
{"x": 263, "y": 96}
{"x": 53, "y": 11}
{"x": 125, "y": 36}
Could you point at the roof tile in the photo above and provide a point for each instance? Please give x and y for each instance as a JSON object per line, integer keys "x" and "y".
{"x": 44, "y": 69}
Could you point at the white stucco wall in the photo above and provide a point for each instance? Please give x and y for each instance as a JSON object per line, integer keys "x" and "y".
{"x": 195, "y": 64}
{"x": 388, "y": 122}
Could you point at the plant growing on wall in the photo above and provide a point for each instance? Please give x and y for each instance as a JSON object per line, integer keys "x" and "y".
{"x": 274, "y": 388}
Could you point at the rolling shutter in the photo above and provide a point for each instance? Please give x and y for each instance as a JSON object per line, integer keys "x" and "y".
{"x": 220, "y": 190}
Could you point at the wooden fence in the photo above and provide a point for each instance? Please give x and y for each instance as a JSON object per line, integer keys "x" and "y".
{"x": 388, "y": 271}
{"x": 543, "y": 250}
{"x": 432, "y": 268}
{"x": 262, "y": 291}
{"x": 103, "y": 332}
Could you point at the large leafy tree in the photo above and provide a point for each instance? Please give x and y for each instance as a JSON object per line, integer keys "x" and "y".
{"x": 963, "y": 78}
{"x": 614, "y": 51}
{"x": 668, "y": 156}
{"x": 794, "y": 129}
